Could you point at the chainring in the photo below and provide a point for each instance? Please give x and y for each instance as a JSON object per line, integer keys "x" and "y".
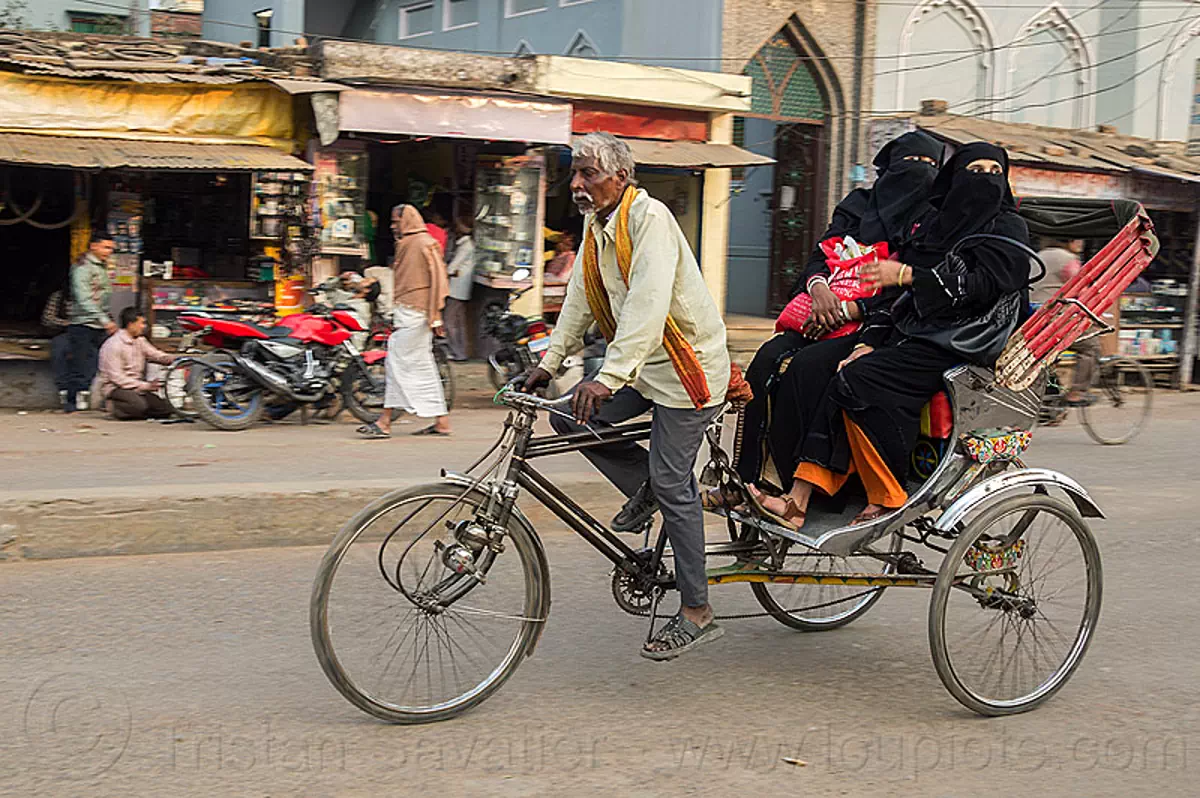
{"x": 631, "y": 596}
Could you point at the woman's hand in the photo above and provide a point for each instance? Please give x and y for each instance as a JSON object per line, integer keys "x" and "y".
{"x": 826, "y": 307}
{"x": 859, "y": 351}
{"x": 885, "y": 273}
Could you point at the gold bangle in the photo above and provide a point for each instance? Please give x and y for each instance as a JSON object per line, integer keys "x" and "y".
{"x": 900, "y": 277}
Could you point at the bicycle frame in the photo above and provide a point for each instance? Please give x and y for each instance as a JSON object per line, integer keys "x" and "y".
{"x": 645, "y": 563}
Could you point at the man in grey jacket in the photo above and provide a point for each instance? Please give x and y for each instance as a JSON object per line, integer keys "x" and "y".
{"x": 88, "y": 320}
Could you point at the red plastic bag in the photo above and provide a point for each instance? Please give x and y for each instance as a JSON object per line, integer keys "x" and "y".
{"x": 843, "y": 281}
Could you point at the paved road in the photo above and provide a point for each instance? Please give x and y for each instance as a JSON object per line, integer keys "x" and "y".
{"x": 193, "y": 675}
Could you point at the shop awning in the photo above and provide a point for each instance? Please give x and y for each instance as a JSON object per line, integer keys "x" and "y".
{"x": 71, "y": 152}
{"x": 691, "y": 154}
{"x": 468, "y": 116}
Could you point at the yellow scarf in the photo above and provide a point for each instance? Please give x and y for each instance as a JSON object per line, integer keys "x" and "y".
{"x": 682, "y": 356}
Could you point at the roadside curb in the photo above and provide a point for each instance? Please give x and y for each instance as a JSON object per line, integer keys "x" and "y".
{"x": 57, "y": 528}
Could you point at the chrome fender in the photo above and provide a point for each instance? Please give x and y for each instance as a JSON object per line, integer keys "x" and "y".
{"x": 464, "y": 481}
{"x": 1011, "y": 483}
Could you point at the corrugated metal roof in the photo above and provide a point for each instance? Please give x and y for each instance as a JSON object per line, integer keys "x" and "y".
{"x": 100, "y": 153}
{"x": 691, "y": 154}
{"x": 1033, "y": 145}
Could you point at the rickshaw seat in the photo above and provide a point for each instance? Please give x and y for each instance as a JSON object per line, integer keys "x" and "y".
{"x": 1057, "y": 324}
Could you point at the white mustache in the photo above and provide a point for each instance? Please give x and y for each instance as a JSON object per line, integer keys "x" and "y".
{"x": 582, "y": 198}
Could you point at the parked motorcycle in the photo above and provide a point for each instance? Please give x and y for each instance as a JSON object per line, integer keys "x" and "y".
{"x": 306, "y": 360}
{"x": 522, "y": 342}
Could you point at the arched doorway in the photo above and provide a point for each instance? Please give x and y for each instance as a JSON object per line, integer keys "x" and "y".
{"x": 778, "y": 212}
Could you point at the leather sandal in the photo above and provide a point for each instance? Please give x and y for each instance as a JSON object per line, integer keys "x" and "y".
{"x": 722, "y": 498}
{"x": 867, "y": 515}
{"x": 792, "y": 517}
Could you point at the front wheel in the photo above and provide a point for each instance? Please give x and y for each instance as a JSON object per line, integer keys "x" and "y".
{"x": 222, "y": 395}
{"x": 1123, "y": 394}
{"x": 1015, "y": 604}
{"x": 424, "y": 605}
{"x": 362, "y": 390}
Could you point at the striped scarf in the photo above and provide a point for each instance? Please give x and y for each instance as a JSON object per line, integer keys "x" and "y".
{"x": 682, "y": 356}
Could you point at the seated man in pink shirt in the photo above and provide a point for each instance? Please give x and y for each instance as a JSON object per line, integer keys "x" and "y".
{"x": 123, "y": 371}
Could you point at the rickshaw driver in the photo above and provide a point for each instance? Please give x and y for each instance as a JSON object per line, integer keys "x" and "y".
{"x": 636, "y": 278}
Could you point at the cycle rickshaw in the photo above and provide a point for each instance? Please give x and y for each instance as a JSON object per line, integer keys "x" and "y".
{"x": 430, "y": 598}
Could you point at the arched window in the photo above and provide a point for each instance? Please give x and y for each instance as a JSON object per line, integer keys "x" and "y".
{"x": 1049, "y": 63}
{"x": 783, "y": 85}
{"x": 1176, "y": 84}
{"x": 936, "y": 26}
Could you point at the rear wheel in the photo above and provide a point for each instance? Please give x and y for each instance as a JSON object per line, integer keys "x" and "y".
{"x": 175, "y": 386}
{"x": 1123, "y": 393}
{"x": 223, "y": 396}
{"x": 445, "y": 373}
{"x": 401, "y": 624}
{"x": 1015, "y": 604}
{"x": 819, "y": 608}
{"x": 362, "y": 390}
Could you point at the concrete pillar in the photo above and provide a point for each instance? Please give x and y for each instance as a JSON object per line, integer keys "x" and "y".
{"x": 1187, "y": 355}
{"x": 714, "y": 225}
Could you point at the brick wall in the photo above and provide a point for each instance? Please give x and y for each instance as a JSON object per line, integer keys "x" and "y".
{"x": 174, "y": 25}
{"x": 827, "y": 28}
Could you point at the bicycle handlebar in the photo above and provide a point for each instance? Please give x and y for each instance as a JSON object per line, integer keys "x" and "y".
{"x": 509, "y": 395}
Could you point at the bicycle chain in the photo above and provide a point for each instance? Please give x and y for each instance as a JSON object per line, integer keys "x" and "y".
{"x": 745, "y": 615}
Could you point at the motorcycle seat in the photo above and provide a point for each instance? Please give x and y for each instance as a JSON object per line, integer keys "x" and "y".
{"x": 271, "y": 332}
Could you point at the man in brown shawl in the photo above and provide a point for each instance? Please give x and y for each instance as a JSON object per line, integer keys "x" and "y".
{"x": 419, "y": 293}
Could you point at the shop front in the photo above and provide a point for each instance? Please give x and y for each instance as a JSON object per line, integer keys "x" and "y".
{"x": 461, "y": 158}
{"x": 194, "y": 226}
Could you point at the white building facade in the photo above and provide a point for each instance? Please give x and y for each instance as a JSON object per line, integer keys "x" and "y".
{"x": 1069, "y": 63}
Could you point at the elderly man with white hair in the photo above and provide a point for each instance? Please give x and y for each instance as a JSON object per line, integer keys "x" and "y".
{"x": 637, "y": 279}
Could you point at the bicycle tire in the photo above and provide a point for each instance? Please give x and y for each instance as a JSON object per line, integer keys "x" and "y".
{"x": 519, "y": 536}
{"x": 954, "y": 677}
{"x": 1109, "y": 379}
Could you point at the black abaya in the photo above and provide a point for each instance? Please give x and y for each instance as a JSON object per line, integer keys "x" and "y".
{"x": 883, "y": 391}
{"x": 885, "y": 212}
{"x": 798, "y": 398}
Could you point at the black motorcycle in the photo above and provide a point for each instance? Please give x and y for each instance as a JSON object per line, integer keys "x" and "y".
{"x": 521, "y": 342}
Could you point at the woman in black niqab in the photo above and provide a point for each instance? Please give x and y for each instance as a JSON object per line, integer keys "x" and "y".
{"x": 906, "y": 169}
{"x": 869, "y": 416}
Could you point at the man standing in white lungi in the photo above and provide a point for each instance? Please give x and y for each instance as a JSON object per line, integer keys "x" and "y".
{"x": 418, "y": 296}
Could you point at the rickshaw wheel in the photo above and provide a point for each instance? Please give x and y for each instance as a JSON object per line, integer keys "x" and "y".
{"x": 820, "y": 608}
{"x": 1015, "y": 604}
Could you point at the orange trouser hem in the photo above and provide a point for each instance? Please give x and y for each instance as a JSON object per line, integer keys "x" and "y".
{"x": 881, "y": 487}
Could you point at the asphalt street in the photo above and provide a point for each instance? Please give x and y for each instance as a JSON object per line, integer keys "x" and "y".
{"x": 193, "y": 674}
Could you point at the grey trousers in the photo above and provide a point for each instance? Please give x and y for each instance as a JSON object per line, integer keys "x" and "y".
{"x": 675, "y": 438}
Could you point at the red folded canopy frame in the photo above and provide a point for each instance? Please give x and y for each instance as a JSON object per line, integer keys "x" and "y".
{"x": 1057, "y": 324}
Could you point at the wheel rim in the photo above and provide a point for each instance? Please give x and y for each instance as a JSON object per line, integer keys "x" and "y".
{"x": 1123, "y": 393}
{"x": 368, "y": 386}
{"x": 398, "y": 656}
{"x": 227, "y": 393}
{"x": 175, "y": 390}
{"x": 1023, "y": 604}
{"x": 832, "y": 605}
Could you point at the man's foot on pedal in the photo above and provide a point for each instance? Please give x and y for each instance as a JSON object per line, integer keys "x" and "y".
{"x": 679, "y": 636}
{"x": 637, "y": 511}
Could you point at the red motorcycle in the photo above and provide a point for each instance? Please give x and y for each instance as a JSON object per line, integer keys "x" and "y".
{"x": 305, "y": 361}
